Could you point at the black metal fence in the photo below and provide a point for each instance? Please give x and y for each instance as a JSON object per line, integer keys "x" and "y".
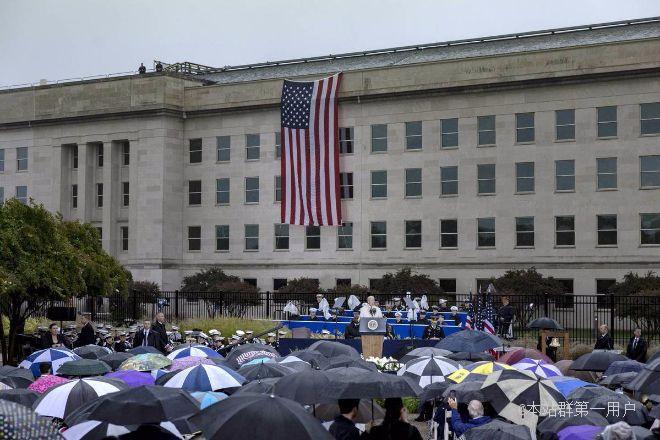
{"x": 579, "y": 314}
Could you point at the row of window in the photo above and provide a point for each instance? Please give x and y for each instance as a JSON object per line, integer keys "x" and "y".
{"x": 606, "y": 127}
{"x": 525, "y": 235}
{"x": 125, "y": 195}
{"x": 125, "y": 155}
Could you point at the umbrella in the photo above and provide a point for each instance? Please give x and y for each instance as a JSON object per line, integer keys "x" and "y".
{"x": 305, "y": 387}
{"x": 564, "y": 366}
{"x": 653, "y": 365}
{"x": 463, "y": 375}
{"x": 279, "y": 419}
{"x": 245, "y": 353}
{"x": 434, "y": 390}
{"x": 208, "y": 398}
{"x": 368, "y": 384}
{"x": 465, "y": 391}
{"x": 205, "y": 378}
{"x": 545, "y": 323}
{"x": 189, "y": 361}
{"x": 144, "y": 350}
{"x": 366, "y": 411}
{"x": 655, "y": 356}
{"x": 261, "y": 386}
{"x": 84, "y": 367}
{"x": 264, "y": 371}
{"x": 618, "y": 379}
{"x": 498, "y": 430}
{"x": 92, "y": 351}
{"x": 53, "y": 356}
{"x": 20, "y": 395}
{"x": 195, "y": 350}
{"x": 296, "y": 365}
{"x": 587, "y": 393}
{"x": 566, "y": 384}
{"x": 132, "y": 378}
{"x": 315, "y": 358}
{"x": 114, "y": 360}
{"x": 642, "y": 382}
{"x": 554, "y": 424}
{"x": 46, "y": 382}
{"x": 521, "y": 396}
{"x": 261, "y": 360}
{"x": 163, "y": 376}
{"x": 486, "y": 367}
{"x": 597, "y": 360}
{"x": 16, "y": 377}
{"x": 424, "y": 351}
{"x": 93, "y": 430}
{"x": 345, "y": 361}
{"x": 617, "y": 407}
{"x": 18, "y": 422}
{"x": 332, "y": 349}
{"x": 61, "y": 400}
{"x": 517, "y": 354}
{"x": 12, "y": 382}
{"x": 579, "y": 432}
{"x": 473, "y": 357}
{"x": 538, "y": 367}
{"x": 473, "y": 341}
{"x": 145, "y": 362}
{"x": 642, "y": 433}
{"x": 428, "y": 369}
{"x": 623, "y": 367}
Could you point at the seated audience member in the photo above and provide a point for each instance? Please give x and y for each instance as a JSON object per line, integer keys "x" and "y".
{"x": 352, "y": 330}
{"x": 443, "y": 305}
{"x": 454, "y": 319}
{"x": 477, "y": 417}
{"x": 54, "y": 339}
{"x": 421, "y": 318}
{"x": 395, "y": 424}
{"x": 398, "y": 307}
{"x": 434, "y": 330}
{"x": 343, "y": 426}
{"x": 313, "y": 316}
{"x": 398, "y": 318}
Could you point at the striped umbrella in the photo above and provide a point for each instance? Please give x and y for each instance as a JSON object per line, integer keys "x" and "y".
{"x": 179, "y": 364}
{"x": 93, "y": 429}
{"x": 487, "y": 367}
{"x": 428, "y": 369}
{"x": 208, "y": 398}
{"x": 538, "y": 367}
{"x": 146, "y": 362}
{"x": 53, "y": 356}
{"x": 205, "y": 378}
{"x": 463, "y": 375}
{"x": 195, "y": 350}
{"x": 61, "y": 400}
{"x": 424, "y": 351}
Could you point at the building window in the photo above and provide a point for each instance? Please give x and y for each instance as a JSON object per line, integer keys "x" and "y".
{"x": 606, "y": 173}
{"x": 194, "y": 192}
{"x": 251, "y": 237}
{"x": 124, "y": 238}
{"x": 312, "y": 237}
{"x": 125, "y": 154}
{"x": 379, "y": 184}
{"x": 125, "y": 193}
{"x": 222, "y": 237}
{"x": 414, "y": 135}
{"x": 607, "y": 235}
{"x": 346, "y": 185}
{"x": 449, "y": 181}
{"x": 251, "y": 281}
{"x": 21, "y": 159}
{"x": 525, "y": 177}
{"x": 2, "y": 195}
{"x": 278, "y": 283}
{"x": 449, "y": 133}
{"x": 252, "y": 190}
{"x": 565, "y": 125}
{"x": 524, "y": 127}
{"x": 74, "y": 157}
{"x": 414, "y": 182}
{"x": 222, "y": 191}
{"x": 449, "y": 233}
{"x": 565, "y": 230}
{"x": 378, "y": 235}
{"x": 194, "y": 238}
{"x": 650, "y": 118}
{"x": 281, "y": 237}
{"x": 649, "y": 171}
{"x": 278, "y": 188}
{"x": 524, "y": 231}
{"x": 486, "y": 232}
{"x": 486, "y": 130}
{"x": 604, "y": 292}
{"x": 195, "y": 150}
{"x": 607, "y": 121}
{"x": 564, "y": 175}
{"x": 2, "y": 160}
{"x": 99, "y": 232}
{"x": 345, "y": 236}
{"x": 448, "y": 286}
{"x": 413, "y": 234}
{"x": 278, "y": 145}
{"x": 74, "y": 196}
{"x": 650, "y": 228}
{"x": 99, "y": 195}
{"x": 22, "y": 194}
{"x": 99, "y": 155}
{"x": 566, "y": 300}
{"x": 343, "y": 282}
{"x": 252, "y": 146}
{"x": 378, "y": 138}
{"x": 346, "y": 140}
{"x": 222, "y": 148}
{"x": 486, "y": 179}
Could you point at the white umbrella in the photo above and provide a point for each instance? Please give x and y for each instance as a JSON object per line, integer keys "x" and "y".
{"x": 63, "y": 399}
{"x": 428, "y": 369}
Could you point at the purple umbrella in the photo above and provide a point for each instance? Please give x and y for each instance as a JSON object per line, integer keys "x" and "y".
{"x": 189, "y": 361}
{"x": 580, "y": 432}
{"x": 133, "y": 378}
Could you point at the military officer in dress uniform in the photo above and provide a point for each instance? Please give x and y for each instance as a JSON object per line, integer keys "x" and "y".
{"x": 434, "y": 330}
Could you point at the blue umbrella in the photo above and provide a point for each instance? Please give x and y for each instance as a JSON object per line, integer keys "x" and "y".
{"x": 205, "y": 378}
{"x": 566, "y": 384}
{"x": 54, "y": 356}
{"x": 623, "y": 367}
{"x": 208, "y": 398}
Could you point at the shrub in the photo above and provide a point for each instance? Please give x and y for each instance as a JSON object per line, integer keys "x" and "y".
{"x": 301, "y": 285}
{"x": 405, "y": 280}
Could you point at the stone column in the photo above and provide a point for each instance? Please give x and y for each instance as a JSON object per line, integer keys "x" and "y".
{"x": 111, "y": 196}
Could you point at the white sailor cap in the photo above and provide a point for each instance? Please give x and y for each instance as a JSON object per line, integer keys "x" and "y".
{"x": 398, "y": 314}
{"x": 271, "y": 335}
{"x": 213, "y": 332}
{"x": 240, "y": 333}
{"x": 282, "y": 332}
{"x": 248, "y": 332}
{"x": 234, "y": 337}
{"x": 454, "y": 308}
{"x": 442, "y": 301}
{"x": 325, "y": 332}
{"x": 312, "y": 310}
{"x": 175, "y": 328}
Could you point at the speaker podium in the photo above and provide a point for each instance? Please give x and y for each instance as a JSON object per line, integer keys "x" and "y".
{"x": 372, "y": 333}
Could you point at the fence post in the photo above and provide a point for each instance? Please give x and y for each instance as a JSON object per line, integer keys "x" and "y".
{"x": 135, "y": 317}
{"x": 268, "y": 305}
{"x": 545, "y": 304}
{"x": 176, "y": 305}
{"x": 93, "y": 311}
{"x": 611, "y": 330}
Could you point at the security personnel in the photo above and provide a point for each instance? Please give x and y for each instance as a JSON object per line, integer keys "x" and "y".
{"x": 505, "y": 316}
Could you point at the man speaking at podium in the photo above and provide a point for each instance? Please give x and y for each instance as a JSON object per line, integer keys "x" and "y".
{"x": 370, "y": 310}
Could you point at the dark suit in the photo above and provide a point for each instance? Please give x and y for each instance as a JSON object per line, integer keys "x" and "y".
{"x": 636, "y": 351}
{"x": 87, "y": 335}
{"x": 160, "y": 329}
{"x": 153, "y": 339}
{"x": 121, "y": 347}
{"x": 47, "y": 341}
{"x": 604, "y": 342}
{"x": 352, "y": 330}
{"x": 431, "y": 332}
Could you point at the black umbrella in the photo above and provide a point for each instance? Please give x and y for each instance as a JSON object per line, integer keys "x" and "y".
{"x": 498, "y": 430}
{"x": 83, "y": 367}
{"x": 653, "y": 365}
{"x": 162, "y": 380}
{"x": 424, "y": 351}
{"x": 143, "y": 350}
{"x": 369, "y": 385}
{"x": 618, "y": 407}
{"x": 367, "y": 411}
{"x": 305, "y": 387}
{"x": 655, "y": 412}
{"x": 473, "y": 341}
{"x": 19, "y": 422}
{"x": 264, "y": 370}
{"x": 91, "y": 351}
{"x": 655, "y": 356}
{"x": 332, "y": 349}
{"x": 18, "y": 377}
{"x": 345, "y": 361}
{"x": 434, "y": 390}
{"x": 642, "y": 382}
{"x": 16, "y": 382}
{"x": 315, "y": 358}
{"x": 261, "y": 386}
{"x": 279, "y": 419}
{"x": 114, "y": 360}
{"x": 624, "y": 367}
{"x": 596, "y": 361}
{"x": 584, "y": 394}
{"x": 554, "y": 424}
{"x": 466, "y": 356}
{"x": 245, "y": 353}
{"x": 465, "y": 391}
{"x": 545, "y": 323}
{"x": 19, "y": 395}
{"x": 618, "y": 379}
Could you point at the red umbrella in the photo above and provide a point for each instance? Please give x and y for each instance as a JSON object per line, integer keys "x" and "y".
{"x": 517, "y": 354}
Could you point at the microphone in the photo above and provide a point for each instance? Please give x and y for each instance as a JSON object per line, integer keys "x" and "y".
{"x": 373, "y": 311}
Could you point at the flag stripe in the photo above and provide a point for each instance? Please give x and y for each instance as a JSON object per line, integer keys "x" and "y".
{"x": 326, "y": 145}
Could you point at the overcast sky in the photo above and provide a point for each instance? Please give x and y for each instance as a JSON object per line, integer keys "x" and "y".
{"x": 58, "y": 39}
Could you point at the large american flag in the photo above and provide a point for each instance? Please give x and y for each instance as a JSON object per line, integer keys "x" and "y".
{"x": 310, "y": 152}
{"x": 488, "y": 316}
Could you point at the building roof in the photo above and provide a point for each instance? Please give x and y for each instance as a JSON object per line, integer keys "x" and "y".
{"x": 595, "y": 34}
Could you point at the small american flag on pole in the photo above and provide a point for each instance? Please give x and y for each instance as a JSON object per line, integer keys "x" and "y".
{"x": 488, "y": 317}
{"x": 310, "y": 153}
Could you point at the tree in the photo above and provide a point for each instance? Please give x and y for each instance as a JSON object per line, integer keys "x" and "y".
{"x": 405, "y": 280}
{"x": 356, "y": 289}
{"x": 301, "y": 285}
{"x": 141, "y": 293}
{"x": 637, "y": 298}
